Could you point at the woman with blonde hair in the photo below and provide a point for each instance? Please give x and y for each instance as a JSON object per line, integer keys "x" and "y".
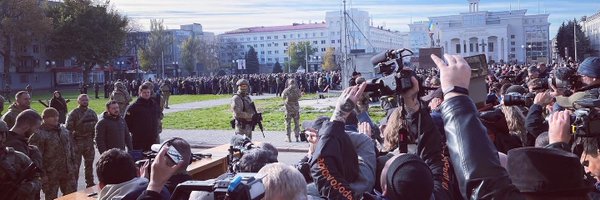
{"x": 516, "y": 122}
{"x": 395, "y": 134}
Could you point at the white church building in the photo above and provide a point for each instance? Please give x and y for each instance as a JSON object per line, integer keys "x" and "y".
{"x": 509, "y": 36}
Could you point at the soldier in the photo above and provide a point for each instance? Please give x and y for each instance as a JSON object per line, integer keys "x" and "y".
{"x": 107, "y": 89}
{"x": 242, "y": 111}
{"x": 12, "y": 165}
{"x": 81, "y": 122}
{"x": 165, "y": 88}
{"x": 121, "y": 96}
{"x": 58, "y": 161}
{"x": 96, "y": 89}
{"x": 292, "y": 95}
{"x": 23, "y": 101}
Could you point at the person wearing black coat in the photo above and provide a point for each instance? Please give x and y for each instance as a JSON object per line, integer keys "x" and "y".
{"x": 60, "y": 104}
{"x": 142, "y": 120}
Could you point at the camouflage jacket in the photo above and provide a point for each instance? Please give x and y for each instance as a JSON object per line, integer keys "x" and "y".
{"x": 56, "y": 147}
{"x": 81, "y": 122}
{"x": 240, "y": 105}
{"x": 11, "y": 116}
{"x": 291, "y": 95}
{"x": 121, "y": 96}
{"x": 12, "y": 164}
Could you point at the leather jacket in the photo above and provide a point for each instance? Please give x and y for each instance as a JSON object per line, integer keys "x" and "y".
{"x": 472, "y": 154}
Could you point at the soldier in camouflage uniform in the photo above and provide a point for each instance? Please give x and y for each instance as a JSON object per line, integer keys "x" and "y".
{"x": 292, "y": 95}
{"x": 56, "y": 146}
{"x": 12, "y": 165}
{"x": 165, "y": 88}
{"x": 23, "y": 102}
{"x": 121, "y": 96}
{"x": 81, "y": 122}
{"x": 242, "y": 111}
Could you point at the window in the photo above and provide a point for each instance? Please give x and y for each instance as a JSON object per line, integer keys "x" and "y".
{"x": 285, "y": 44}
{"x": 471, "y": 47}
{"x": 322, "y": 34}
{"x": 457, "y": 48}
{"x": 242, "y": 46}
{"x": 262, "y": 45}
{"x": 285, "y": 51}
{"x": 323, "y": 42}
{"x": 276, "y": 44}
{"x": 291, "y": 35}
{"x": 262, "y": 52}
{"x": 284, "y": 36}
{"x": 268, "y": 37}
{"x": 269, "y": 45}
{"x": 262, "y": 60}
{"x": 262, "y": 38}
{"x": 339, "y": 41}
{"x": 285, "y": 59}
{"x": 306, "y": 35}
{"x": 276, "y": 51}
{"x": 255, "y": 45}
{"x": 275, "y": 37}
{"x": 512, "y": 49}
{"x": 465, "y": 48}
{"x": 269, "y": 52}
{"x": 269, "y": 59}
{"x": 254, "y": 38}
{"x": 322, "y": 49}
{"x": 491, "y": 47}
{"x": 512, "y": 36}
{"x": 315, "y": 42}
{"x": 332, "y": 41}
{"x": 299, "y": 35}
{"x": 512, "y": 43}
{"x": 314, "y": 34}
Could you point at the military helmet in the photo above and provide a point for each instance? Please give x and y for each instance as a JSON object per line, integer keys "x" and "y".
{"x": 242, "y": 82}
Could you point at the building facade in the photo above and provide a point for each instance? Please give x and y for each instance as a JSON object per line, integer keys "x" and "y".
{"x": 591, "y": 28}
{"x": 509, "y": 36}
{"x": 271, "y": 42}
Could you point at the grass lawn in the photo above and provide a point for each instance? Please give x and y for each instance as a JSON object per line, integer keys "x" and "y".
{"x": 217, "y": 118}
{"x": 98, "y": 105}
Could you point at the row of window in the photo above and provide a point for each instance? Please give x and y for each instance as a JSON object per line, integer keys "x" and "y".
{"x": 276, "y": 37}
{"x": 285, "y": 44}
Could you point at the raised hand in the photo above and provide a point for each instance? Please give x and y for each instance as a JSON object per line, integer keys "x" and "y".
{"x": 456, "y": 73}
{"x": 347, "y": 101}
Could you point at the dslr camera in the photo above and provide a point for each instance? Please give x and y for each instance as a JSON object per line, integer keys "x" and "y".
{"x": 395, "y": 78}
{"x": 517, "y": 99}
{"x": 585, "y": 121}
{"x": 241, "y": 186}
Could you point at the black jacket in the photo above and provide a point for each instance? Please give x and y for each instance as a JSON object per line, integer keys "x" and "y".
{"x": 473, "y": 156}
{"x": 142, "y": 121}
{"x": 61, "y": 106}
{"x": 429, "y": 148}
{"x": 535, "y": 123}
{"x": 112, "y": 132}
{"x": 334, "y": 164}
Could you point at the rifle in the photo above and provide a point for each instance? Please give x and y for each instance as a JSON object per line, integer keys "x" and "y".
{"x": 257, "y": 119}
{"x": 42, "y": 102}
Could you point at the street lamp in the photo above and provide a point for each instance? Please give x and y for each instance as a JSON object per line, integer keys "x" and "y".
{"x": 526, "y": 47}
{"x": 50, "y": 63}
{"x": 176, "y": 65}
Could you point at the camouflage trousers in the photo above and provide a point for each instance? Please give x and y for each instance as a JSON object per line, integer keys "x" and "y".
{"x": 243, "y": 130}
{"x": 295, "y": 116}
{"x": 166, "y": 99}
{"x": 50, "y": 185}
{"x": 85, "y": 149}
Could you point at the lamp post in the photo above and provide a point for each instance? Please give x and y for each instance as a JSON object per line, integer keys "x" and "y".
{"x": 50, "y": 63}
{"x": 526, "y": 47}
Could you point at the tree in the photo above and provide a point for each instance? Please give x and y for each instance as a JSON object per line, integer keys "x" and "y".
{"x": 329, "y": 60}
{"x": 298, "y": 53}
{"x": 228, "y": 52}
{"x": 189, "y": 54}
{"x": 91, "y": 32}
{"x": 252, "y": 65}
{"x": 21, "y": 22}
{"x": 207, "y": 55}
{"x": 157, "y": 46}
{"x": 565, "y": 37}
{"x": 277, "y": 68}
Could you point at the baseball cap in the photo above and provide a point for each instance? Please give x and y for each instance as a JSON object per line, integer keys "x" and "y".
{"x": 315, "y": 124}
{"x": 590, "y": 67}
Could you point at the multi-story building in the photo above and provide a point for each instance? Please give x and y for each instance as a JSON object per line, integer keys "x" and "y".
{"x": 510, "y": 36}
{"x": 272, "y": 42}
{"x": 591, "y": 28}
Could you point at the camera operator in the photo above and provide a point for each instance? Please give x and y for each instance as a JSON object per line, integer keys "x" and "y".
{"x": 534, "y": 173}
{"x": 117, "y": 176}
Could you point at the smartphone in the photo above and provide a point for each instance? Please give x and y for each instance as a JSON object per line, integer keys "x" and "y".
{"x": 174, "y": 155}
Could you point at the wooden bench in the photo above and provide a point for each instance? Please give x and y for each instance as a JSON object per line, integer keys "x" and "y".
{"x": 204, "y": 169}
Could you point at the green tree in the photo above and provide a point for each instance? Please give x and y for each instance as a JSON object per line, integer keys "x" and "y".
{"x": 298, "y": 53}
{"x": 252, "y": 65}
{"x": 207, "y": 55}
{"x": 21, "y": 22}
{"x": 564, "y": 38}
{"x": 92, "y": 32}
{"x": 189, "y": 54}
{"x": 329, "y": 60}
{"x": 157, "y": 46}
{"x": 277, "y": 68}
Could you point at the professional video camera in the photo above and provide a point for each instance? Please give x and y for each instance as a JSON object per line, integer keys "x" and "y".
{"x": 241, "y": 186}
{"x": 395, "y": 78}
{"x": 238, "y": 145}
{"x": 516, "y": 99}
{"x": 586, "y": 120}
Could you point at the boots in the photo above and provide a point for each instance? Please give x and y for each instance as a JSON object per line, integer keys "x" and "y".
{"x": 289, "y": 139}
{"x": 297, "y": 139}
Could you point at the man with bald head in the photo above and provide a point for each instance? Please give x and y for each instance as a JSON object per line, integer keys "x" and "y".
{"x": 81, "y": 122}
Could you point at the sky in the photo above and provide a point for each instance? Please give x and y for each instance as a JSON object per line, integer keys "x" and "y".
{"x": 219, "y": 16}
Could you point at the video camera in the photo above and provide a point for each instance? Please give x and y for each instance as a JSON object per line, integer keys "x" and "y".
{"x": 395, "y": 78}
{"x": 240, "y": 186}
{"x": 516, "y": 99}
{"x": 585, "y": 121}
{"x": 238, "y": 145}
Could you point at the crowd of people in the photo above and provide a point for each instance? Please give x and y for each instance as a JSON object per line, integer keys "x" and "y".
{"x": 534, "y": 137}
